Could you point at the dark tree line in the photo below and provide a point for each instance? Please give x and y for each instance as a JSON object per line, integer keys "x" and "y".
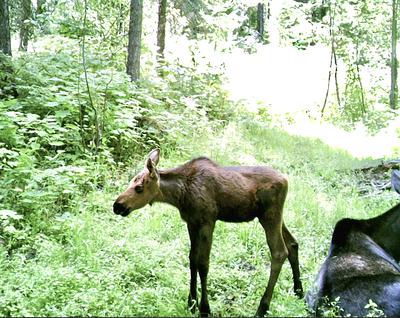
{"x": 26, "y": 15}
{"x": 5, "y": 34}
{"x": 26, "y": 24}
{"x": 135, "y": 36}
{"x": 394, "y": 91}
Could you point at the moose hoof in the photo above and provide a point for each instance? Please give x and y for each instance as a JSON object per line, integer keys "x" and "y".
{"x": 205, "y": 313}
{"x": 298, "y": 291}
{"x": 262, "y": 310}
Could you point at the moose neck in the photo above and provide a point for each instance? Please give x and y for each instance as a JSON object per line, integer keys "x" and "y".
{"x": 172, "y": 186}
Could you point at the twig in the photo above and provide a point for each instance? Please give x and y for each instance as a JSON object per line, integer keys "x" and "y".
{"x": 97, "y": 134}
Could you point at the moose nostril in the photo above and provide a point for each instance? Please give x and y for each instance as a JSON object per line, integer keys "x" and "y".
{"x": 118, "y": 208}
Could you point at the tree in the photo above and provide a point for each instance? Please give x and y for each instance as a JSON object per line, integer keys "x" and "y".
{"x": 162, "y": 21}
{"x": 26, "y": 25}
{"x": 5, "y": 36}
{"x": 333, "y": 58}
{"x": 394, "y": 90}
{"x": 260, "y": 19}
{"x": 41, "y": 7}
{"x": 134, "y": 42}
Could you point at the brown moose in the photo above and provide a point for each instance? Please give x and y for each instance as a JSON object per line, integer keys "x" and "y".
{"x": 205, "y": 192}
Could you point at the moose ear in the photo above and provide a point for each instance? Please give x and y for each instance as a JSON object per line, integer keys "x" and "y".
{"x": 152, "y": 160}
{"x": 154, "y": 155}
{"x": 396, "y": 180}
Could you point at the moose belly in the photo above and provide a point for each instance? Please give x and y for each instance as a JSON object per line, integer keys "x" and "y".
{"x": 237, "y": 206}
{"x": 235, "y": 215}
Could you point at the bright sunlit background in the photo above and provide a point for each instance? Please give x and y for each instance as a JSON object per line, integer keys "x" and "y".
{"x": 287, "y": 80}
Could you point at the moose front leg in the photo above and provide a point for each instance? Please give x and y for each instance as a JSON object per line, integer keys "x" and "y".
{"x": 205, "y": 240}
{"x": 200, "y": 239}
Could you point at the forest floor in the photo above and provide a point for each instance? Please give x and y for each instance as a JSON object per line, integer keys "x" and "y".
{"x": 104, "y": 265}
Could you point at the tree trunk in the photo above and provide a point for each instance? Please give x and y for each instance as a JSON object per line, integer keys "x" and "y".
{"x": 363, "y": 106}
{"x": 162, "y": 21}
{"x": 5, "y": 36}
{"x": 332, "y": 59}
{"x": 328, "y": 87}
{"x": 260, "y": 19}
{"x": 41, "y": 7}
{"x": 394, "y": 91}
{"x": 332, "y": 16}
{"x": 26, "y": 25}
{"x": 135, "y": 35}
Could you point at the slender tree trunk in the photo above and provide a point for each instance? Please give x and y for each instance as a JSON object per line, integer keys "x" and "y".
{"x": 394, "y": 90}
{"x": 332, "y": 60}
{"x": 135, "y": 35}
{"x": 40, "y": 9}
{"x": 363, "y": 106}
{"x": 260, "y": 19}
{"x": 162, "y": 21}
{"x": 98, "y": 131}
{"x": 121, "y": 19}
{"x": 328, "y": 87}
{"x": 26, "y": 25}
{"x": 336, "y": 73}
{"x": 5, "y": 35}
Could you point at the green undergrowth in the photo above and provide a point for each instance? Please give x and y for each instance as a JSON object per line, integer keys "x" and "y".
{"x": 84, "y": 260}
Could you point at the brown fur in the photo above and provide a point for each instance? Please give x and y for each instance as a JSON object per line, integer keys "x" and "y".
{"x": 205, "y": 192}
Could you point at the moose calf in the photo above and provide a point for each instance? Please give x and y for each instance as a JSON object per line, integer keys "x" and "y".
{"x": 205, "y": 192}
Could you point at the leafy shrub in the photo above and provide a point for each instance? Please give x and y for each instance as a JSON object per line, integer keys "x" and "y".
{"x": 57, "y": 143}
{"x": 7, "y": 77}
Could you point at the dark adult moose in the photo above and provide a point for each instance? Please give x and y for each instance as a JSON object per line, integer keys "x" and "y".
{"x": 362, "y": 265}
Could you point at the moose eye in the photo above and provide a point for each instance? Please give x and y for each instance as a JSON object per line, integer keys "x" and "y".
{"x": 139, "y": 189}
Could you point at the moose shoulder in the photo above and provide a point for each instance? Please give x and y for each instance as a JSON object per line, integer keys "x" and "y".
{"x": 362, "y": 265}
{"x": 205, "y": 192}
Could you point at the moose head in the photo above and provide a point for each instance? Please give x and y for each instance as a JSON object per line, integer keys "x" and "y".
{"x": 142, "y": 189}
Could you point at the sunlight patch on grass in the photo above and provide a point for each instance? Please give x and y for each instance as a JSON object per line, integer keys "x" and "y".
{"x": 357, "y": 142}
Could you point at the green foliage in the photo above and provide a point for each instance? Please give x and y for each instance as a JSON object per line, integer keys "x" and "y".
{"x": 298, "y": 23}
{"x": 357, "y": 31}
{"x": 373, "y": 310}
{"x": 49, "y": 154}
{"x": 74, "y": 257}
{"x": 7, "y": 77}
{"x": 331, "y": 309}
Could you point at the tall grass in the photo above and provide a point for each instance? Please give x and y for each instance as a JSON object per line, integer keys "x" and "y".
{"x": 100, "y": 264}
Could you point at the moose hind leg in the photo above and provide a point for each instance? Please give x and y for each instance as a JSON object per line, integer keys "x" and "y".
{"x": 193, "y": 259}
{"x": 279, "y": 252}
{"x": 293, "y": 249}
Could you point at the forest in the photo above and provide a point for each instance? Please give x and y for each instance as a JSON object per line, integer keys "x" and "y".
{"x": 88, "y": 88}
